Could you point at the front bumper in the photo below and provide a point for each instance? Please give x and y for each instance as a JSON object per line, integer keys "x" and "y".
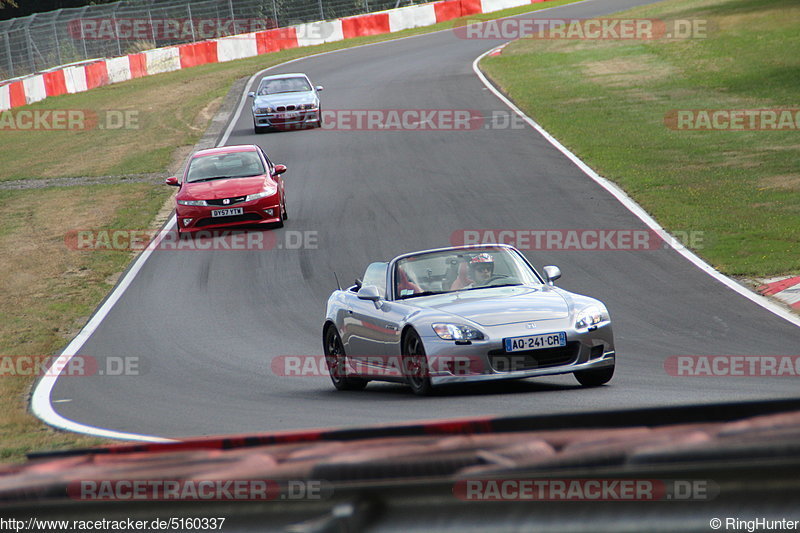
{"x": 481, "y": 360}
{"x": 286, "y": 119}
{"x": 196, "y": 218}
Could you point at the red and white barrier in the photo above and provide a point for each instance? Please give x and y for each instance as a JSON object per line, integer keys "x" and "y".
{"x": 5, "y": 97}
{"x": 405, "y": 18}
{"x": 77, "y": 78}
{"x": 236, "y": 47}
{"x": 35, "y": 89}
{"x": 119, "y": 69}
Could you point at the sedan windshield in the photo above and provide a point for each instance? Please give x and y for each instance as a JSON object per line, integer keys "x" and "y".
{"x": 457, "y": 270}
{"x": 284, "y": 85}
{"x": 233, "y": 165}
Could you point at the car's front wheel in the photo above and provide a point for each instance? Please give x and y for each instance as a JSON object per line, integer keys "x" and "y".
{"x": 415, "y": 364}
{"x": 595, "y": 378}
{"x": 336, "y": 360}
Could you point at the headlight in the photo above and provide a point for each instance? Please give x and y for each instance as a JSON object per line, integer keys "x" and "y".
{"x": 309, "y": 106}
{"x": 193, "y": 202}
{"x": 263, "y": 110}
{"x": 262, "y": 194}
{"x": 590, "y": 316}
{"x": 456, "y": 332}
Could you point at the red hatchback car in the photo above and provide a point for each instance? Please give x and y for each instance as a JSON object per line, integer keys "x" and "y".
{"x": 228, "y": 186}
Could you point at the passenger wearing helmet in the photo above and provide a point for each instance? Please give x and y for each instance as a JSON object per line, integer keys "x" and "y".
{"x": 481, "y": 269}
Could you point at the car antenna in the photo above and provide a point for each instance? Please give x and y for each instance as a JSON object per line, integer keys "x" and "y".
{"x": 338, "y": 286}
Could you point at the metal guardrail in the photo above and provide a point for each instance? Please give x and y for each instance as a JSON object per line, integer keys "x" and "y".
{"x": 45, "y": 40}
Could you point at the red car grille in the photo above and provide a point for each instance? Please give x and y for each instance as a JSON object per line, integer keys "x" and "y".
{"x": 247, "y": 217}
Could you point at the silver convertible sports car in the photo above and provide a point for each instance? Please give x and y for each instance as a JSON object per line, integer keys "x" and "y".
{"x": 463, "y": 314}
{"x": 286, "y": 101}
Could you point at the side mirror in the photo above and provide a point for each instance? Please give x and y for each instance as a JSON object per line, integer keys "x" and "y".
{"x": 319, "y": 88}
{"x": 279, "y": 169}
{"x": 172, "y": 180}
{"x": 251, "y": 94}
{"x": 551, "y": 273}
{"x": 369, "y": 292}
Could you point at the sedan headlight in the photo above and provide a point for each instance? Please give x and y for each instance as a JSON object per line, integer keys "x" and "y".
{"x": 262, "y": 194}
{"x": 263, "y": 110}
{"x": 457, "y": 332}
{"x": 591, "y": 316}
{"x": 308, "y": 106}
{"x": 193, "y": 202}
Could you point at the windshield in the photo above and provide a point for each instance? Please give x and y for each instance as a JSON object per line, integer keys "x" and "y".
{"x": 460, "y": 269}
{"x": 284, "y": 85}
{"x": 235, "y": 165}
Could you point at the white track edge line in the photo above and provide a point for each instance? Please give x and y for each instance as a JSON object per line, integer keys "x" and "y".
{"x": 634, "y": 207}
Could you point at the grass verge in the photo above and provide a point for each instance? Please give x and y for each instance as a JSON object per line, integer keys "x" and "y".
{"x": 607, "y": 102}
{"x": 51, "y": 290}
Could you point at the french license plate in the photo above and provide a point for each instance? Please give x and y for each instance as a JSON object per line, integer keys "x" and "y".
{"x": 535, "y": 342}
{"x": 227, "y": 212}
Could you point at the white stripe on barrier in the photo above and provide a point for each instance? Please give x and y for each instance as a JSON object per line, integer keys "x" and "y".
{"x": 162, "y": 60}
{"x": 236, "y": 47}
{"x": 488, "y": 6}
{"x": 119, "y": 69}
{"x": 35, "y": 89}
{"x": 5, "y": 98}
{"x": 319, "y": 32}
{"x": 411, "y": 17}
{"x": 75, "y": 79}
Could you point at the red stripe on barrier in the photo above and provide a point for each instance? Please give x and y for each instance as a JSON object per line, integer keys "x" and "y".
{"x": 16, "y": 94}
{"x": 198, "y": 53}
{"x": 773, "y": 288}
{"x": 138, "y": 64}
{"x": 449, "y": 10}
{"x": 470, "y": 7}
{"x": 54, "y": 83}
{"x": 375, "y": 24}
{"x": 277, "y": 39}
{"x": 96, "y": 75}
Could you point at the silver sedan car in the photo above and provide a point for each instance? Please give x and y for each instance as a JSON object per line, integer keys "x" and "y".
{"x": 286, "y": 101}
{"x": 463, "y": 314}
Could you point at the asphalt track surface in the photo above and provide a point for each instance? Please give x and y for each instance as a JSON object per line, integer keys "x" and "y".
{"x": 206, "y": 325}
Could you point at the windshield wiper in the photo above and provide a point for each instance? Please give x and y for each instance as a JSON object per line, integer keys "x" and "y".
{"x": 213, "y": 178}
{"x": 424, "y": 293}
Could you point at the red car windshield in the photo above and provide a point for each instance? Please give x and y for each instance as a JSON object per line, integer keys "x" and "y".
{"x": 230, "y": 165}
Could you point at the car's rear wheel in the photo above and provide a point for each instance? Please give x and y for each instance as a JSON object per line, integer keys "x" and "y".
{"x": 595, "y": 378}
{"x": 336, "y": 360}
{"x": 415, "y": 364}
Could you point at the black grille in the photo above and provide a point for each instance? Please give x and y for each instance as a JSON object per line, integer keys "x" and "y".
{"x": 532, "y": 359}
{"x": 231, "y": 201}
{"x": 597, "y": 351}
{"x": 247, "y": 217}
{"x": 285, "y": 108}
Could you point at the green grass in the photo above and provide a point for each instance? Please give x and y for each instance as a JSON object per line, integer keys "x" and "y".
{"x": 607, "y": 100}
